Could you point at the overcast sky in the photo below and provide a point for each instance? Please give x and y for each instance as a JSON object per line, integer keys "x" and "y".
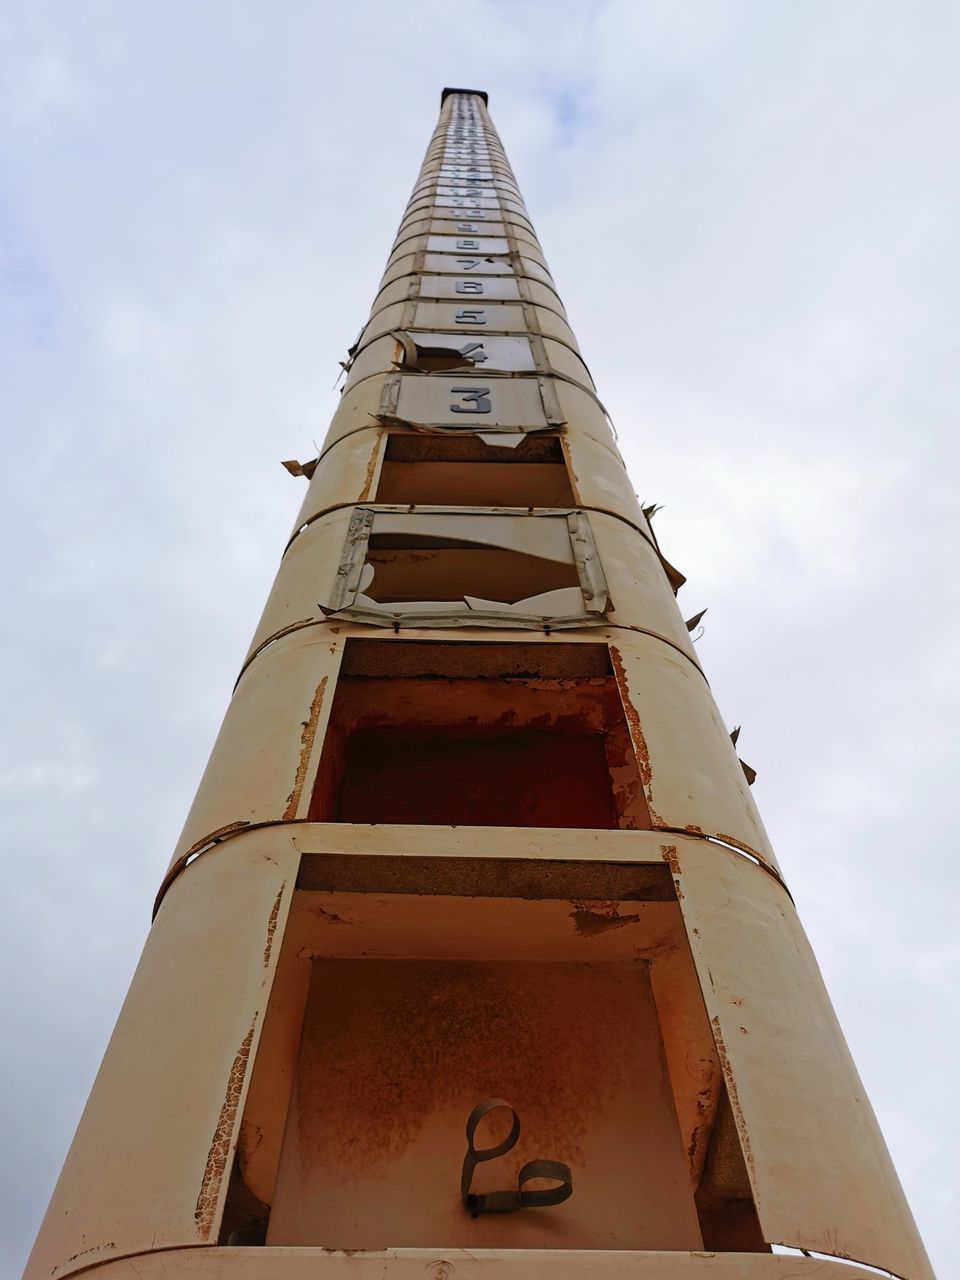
{"x": 751, "y": 212}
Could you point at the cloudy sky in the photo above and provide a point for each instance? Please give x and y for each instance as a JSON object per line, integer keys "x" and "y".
{"x": 751, "y": 211}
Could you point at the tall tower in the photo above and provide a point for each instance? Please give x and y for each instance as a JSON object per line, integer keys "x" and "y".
{"x": 474, "y": 959}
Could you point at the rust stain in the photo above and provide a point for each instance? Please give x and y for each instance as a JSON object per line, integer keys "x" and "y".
{"x": 306, "y": 746}
{"x": 272, "y": 925}
{"x": 451, "y": 1032}
{"x": 672, "y": 859}
{"x": 732, "y": 1091}
{"x": 640, "y": 748}
{"x": 371, "y": 468}
{"x": 694, "y": 829}
{"x": 222, "y": 1134}
{"x": 739, "y": 844}
{"x": 633, "y": 720}
{"x": 591, "y": 918}
{"x": 670, "y": 856}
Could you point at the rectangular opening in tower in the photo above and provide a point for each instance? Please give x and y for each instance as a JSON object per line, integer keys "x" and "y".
{"x": 462, "y": 564}
{"x": 478, "y": 735}
{"x": 414, "y": 985}
{"x": 463, "y": 471}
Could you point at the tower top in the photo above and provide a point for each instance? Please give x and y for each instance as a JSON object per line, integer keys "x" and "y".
{"x": 480, "y": 93}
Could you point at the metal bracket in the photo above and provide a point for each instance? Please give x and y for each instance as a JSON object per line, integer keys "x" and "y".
{"x": 509, "y": 1201}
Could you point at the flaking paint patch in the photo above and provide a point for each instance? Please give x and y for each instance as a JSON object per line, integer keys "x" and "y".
{"x": 734, "y": 1099}
{"x": 306, "y": 746}
{"x": 670, "y": 856}
{"x": 591, "y": 918}
{"x": 272, "y": 925}
{"x": 220, "y": 1146}
{"x": 705, "y": 1109}
{"x": 636, "y": 732}
{"x": 371, "y": 468}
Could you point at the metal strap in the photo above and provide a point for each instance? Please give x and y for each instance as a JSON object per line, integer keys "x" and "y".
{"x": 509, "y": 1201}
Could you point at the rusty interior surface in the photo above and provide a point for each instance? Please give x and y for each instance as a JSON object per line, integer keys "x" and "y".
{"x": 401, "y": 1002}
{"x": 460, "y": 746}
{"x": 458, "y": 471}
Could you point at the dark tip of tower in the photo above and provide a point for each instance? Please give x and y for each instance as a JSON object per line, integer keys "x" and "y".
{"x": 480, "y": 93}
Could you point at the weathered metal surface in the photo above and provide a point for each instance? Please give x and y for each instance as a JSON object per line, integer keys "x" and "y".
{"x": 148, "y": 1167}
{"x": 815, "y": 1156}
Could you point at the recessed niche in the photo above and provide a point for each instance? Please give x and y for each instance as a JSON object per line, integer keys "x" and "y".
{"x": 410, "y": 988}
{"x": 427, "y": 470}
{"x": 441, "y": 737}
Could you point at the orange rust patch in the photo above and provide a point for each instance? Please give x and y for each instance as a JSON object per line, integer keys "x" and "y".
{"x": 694, "y": 829}
{"x": 672, "y": 859}
{"x": 306, "y": 746}
{"x": 437, "y": 1034}
{"x": 220, "y": 1146}
{"x": 371, "y": 468}
{"x": 732, "y": 1090}
{"x": 670, "y": 856}
{"x": 633, "y": 720}
{"x": 636, "y": 733}
{"x": 213, "y": 836}
{"x": 272, "y": 925}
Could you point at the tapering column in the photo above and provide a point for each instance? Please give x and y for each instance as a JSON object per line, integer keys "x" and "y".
{"x": 474, "y": 958}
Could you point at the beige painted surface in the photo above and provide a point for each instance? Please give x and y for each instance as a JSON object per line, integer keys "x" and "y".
{"x": 820, "y": 1170}
{"x": 147, "y": 1166}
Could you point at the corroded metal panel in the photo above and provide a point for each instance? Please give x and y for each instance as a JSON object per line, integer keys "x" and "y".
{"x": 679, "y": 736}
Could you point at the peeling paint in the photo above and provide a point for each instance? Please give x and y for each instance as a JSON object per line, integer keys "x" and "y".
{"x": 591, "y": 918}
{"x": 735, "y": 1102}
{"x": 368, "y": 478}
{"x": 272, "y": 925}
{"x": 636, "y": 732}
{"x": 220, "y": 1146}
{"x": 672, "y": 859}
{"x": 306, "y": 746}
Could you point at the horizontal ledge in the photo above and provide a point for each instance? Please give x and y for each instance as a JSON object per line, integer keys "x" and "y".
{"x": 464, "y": 876}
